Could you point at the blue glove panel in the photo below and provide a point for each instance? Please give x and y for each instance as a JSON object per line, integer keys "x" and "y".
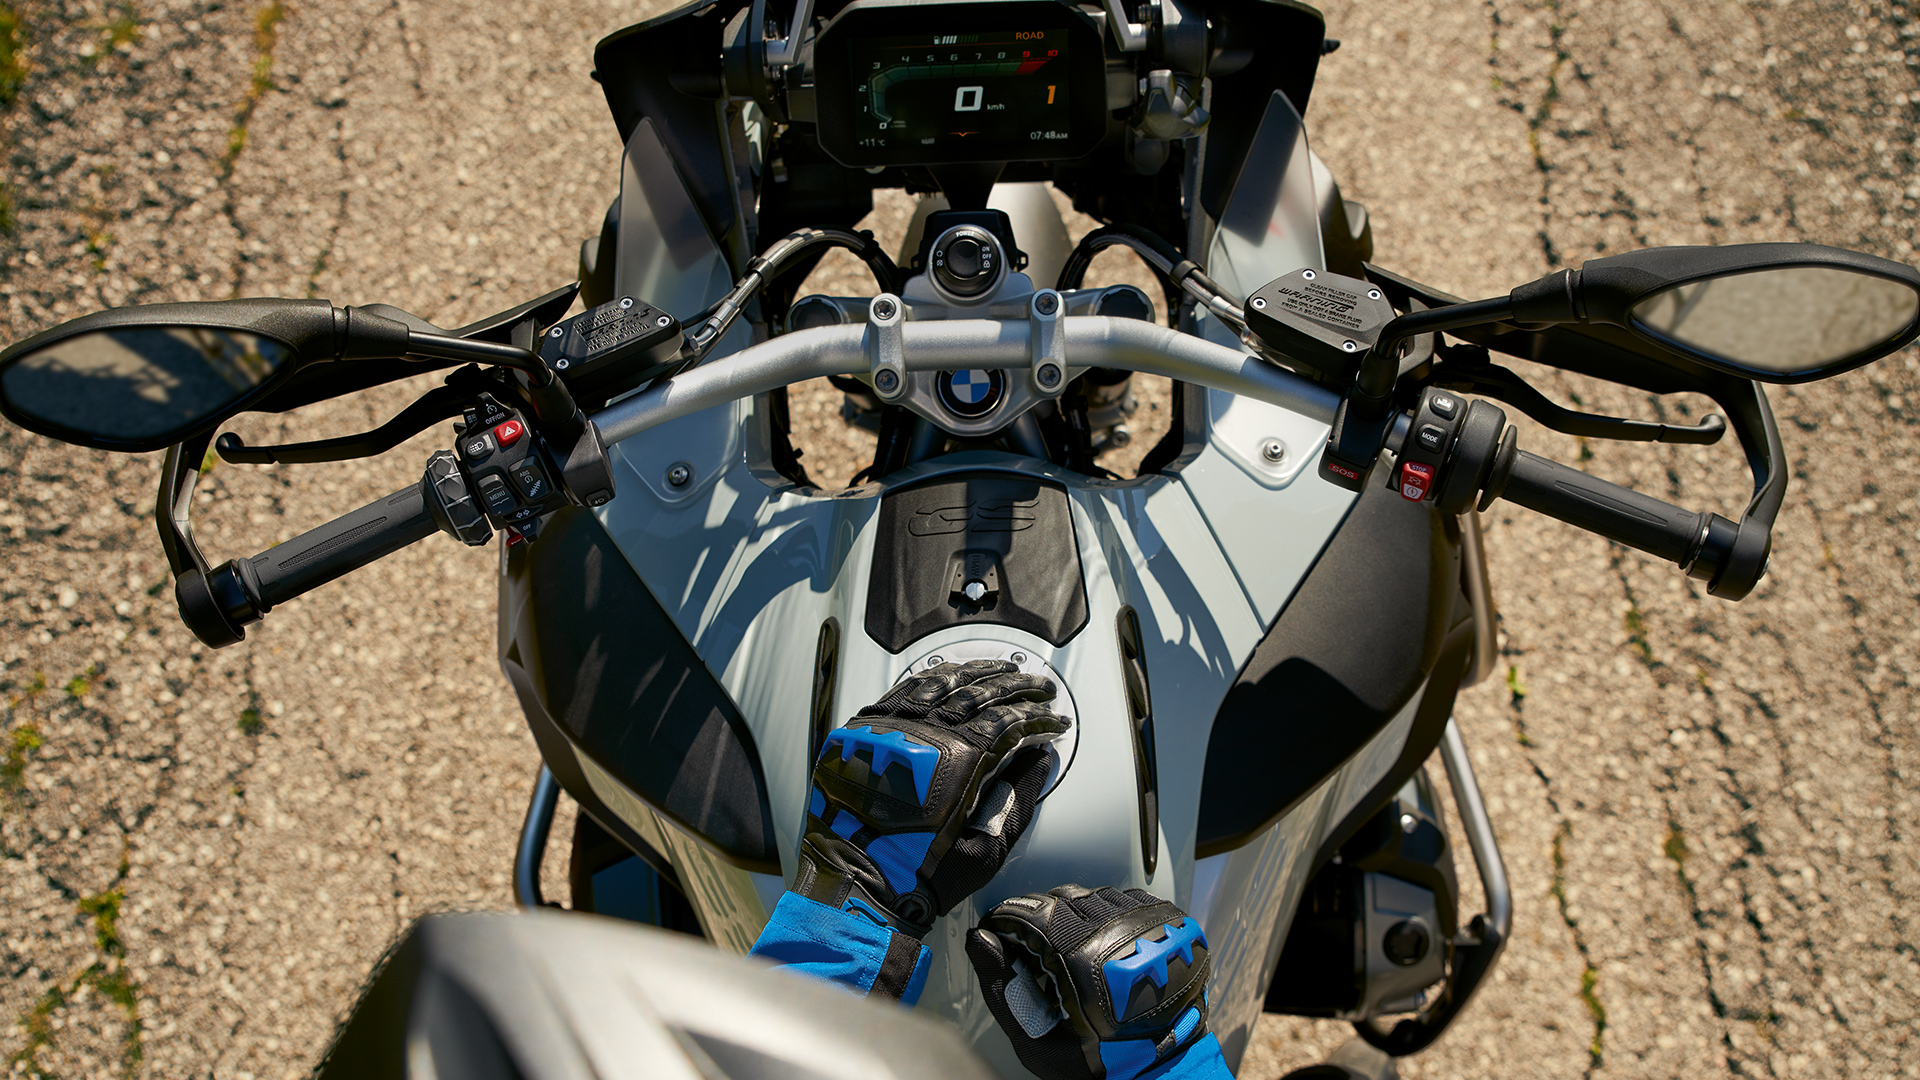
{"x": 844, "y": 947}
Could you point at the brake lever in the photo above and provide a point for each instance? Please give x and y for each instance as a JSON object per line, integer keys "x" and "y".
{"x": 1498, "y": 382}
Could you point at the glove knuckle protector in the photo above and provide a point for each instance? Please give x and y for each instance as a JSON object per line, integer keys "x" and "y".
{"x": 896, "y": 819}
{"x": 1127, "y": 969}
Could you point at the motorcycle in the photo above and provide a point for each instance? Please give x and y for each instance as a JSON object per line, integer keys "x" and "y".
{"x": 1259, "y": 637}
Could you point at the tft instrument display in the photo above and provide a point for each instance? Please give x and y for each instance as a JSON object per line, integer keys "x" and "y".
{"x": 938, "y": 91}
{"x": 960, "y": 91}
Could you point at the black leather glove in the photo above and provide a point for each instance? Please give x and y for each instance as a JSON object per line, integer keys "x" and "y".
{"x": 918, "y": 799}
{"x": 1091, "y": 984}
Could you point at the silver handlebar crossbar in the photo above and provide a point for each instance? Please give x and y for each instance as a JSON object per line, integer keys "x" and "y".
{"x": 945, "y": 345}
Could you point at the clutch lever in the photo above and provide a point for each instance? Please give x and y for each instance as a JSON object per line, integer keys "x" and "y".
{"x": 437, "y": 404}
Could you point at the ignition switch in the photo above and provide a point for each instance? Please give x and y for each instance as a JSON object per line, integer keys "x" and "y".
{"x": 967, "y": 261}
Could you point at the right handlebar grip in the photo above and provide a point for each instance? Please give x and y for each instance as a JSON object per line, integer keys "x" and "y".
{"x": 341, "y": 546}
{"x": 1617, "y": 513}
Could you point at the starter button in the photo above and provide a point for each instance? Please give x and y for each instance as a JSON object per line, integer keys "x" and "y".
{"x": 1415, "y": 480}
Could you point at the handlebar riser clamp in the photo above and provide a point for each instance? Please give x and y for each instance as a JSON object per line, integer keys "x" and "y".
{"x": 886, "y": 347}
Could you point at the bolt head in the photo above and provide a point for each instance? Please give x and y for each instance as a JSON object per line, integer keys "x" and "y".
{"x": 1308, "y": 274}
{"x": 886, "y": 382}
{"x": 626, "y": 301}
{"x": 1259, "y": 302}
{"x": 1408, "y": 823}
{"x": 935, "y": 661}
{"x": 679, "y": 475}
{"x": 1049, "y": 376}
{"x": 663, "y": 320}
{"x": 973, "y": 591}
{"x": 558, "y": 331}
{"x": 562, "y": 364}
{"x": 1348, "y": 346}
{"x": 1046, "y": 303}
{"x": 1274, "y": 450}
{"x": 883, "y": 308}
{"x": 1018, "y": 658}
{"x": 1373, "y": 294}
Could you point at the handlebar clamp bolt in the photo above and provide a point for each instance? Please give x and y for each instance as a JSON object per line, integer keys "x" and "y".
{"x": 1049, "y": 376}
{"x": 886, "y": 381}
{"x": 883, "y": 308}
{"x": 1047, "y": 303}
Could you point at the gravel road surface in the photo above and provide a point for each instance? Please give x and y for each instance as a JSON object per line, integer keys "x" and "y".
{"x": 1705, "y": 807}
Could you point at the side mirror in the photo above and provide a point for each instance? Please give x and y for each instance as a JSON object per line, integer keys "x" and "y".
{"x": 142, "y": 378}
{"x": 1780, "y": 313}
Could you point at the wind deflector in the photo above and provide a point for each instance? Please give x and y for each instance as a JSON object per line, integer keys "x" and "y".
{"x": 622, "y": 685}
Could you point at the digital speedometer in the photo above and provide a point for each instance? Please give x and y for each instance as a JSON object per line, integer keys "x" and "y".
{"x": 937, "y": 83}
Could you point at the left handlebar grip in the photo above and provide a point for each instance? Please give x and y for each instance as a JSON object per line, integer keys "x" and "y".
{"x": 246, "y": 589}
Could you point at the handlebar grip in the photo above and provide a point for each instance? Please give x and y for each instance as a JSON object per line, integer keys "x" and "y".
{"x": 341, "y": 546}
{"x": 1617, "y": 513}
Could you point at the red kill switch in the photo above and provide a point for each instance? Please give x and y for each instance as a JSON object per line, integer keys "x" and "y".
{"x": 1415, "y": 480}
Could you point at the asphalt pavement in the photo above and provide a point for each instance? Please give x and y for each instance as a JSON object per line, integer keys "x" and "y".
{"x": 1704, "y": 806}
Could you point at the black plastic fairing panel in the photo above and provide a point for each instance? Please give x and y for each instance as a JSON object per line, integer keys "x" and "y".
{"x": 1013, "y": 534}
{"x": 601, "y": 667}
{"x": 667, "y": 69}
{"x": 1348, "y": 652}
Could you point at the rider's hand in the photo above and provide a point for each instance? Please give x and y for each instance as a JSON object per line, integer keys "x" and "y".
{"x": 1091, "y": 984}
{"x": 918, "y": 799}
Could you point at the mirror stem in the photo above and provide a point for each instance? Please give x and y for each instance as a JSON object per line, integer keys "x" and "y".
{"x": 1372, "y": 393}
{"x": 441, "y": 347}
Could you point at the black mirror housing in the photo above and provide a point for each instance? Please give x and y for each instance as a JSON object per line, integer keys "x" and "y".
{"x": 1617, "y": 290}
{"x": 137, "y": 386}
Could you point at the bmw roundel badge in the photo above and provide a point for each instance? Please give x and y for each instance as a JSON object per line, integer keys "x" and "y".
{"x": 971, "y": 392}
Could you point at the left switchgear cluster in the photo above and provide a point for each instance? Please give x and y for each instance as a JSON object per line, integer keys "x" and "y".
{"x": 507, "y": 473}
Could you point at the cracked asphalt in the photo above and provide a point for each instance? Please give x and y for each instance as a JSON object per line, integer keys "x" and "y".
{"x": 1704, "y": 807}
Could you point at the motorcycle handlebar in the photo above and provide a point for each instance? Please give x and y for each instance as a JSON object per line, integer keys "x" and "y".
{"x": 1707, "y": 546}
{"x": 1617, "y": 513}
{"x": 246, "y": 589}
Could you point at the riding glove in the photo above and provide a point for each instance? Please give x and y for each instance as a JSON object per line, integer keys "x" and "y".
{"x": 1098, "y": 985}
{"x": 918, "y": 799}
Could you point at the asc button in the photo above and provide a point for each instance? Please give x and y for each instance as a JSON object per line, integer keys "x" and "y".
{"x": 531, "y": 481}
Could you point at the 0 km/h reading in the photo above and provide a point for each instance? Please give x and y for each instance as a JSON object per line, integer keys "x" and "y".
{"x": 962, "y": 89}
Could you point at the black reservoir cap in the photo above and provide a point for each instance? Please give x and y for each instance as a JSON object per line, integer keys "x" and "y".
{"x": 1318, "y": 322}
{"x": 608, "y": 350}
